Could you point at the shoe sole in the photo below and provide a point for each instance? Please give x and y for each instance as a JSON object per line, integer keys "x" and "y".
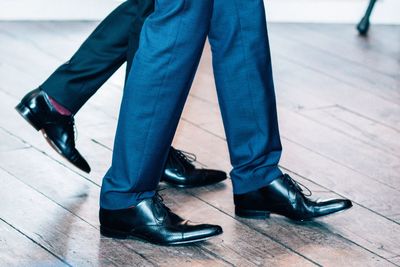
{"x": 252, "y": 214}
{"x": 26, "y": 113}
{"x": 115, "y": 234}
{"x": 259, "y": 214}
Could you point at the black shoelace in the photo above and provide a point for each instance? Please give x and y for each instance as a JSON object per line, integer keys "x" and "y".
{"x": 72, "y": 130}
{"x": 183, "y": 159}
{"x": 186, "y": 156}
{"x": 75, "y": 130}
{"x": 161, "y": 208}
{"x": 299, "y": 186}
{"x": 159, "y": 199}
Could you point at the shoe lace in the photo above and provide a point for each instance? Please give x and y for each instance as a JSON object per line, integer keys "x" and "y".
{"x": 75, "y": 131}
{"x": 299, "y": 186}
{"x": 159, "y": 200}
{"x": 184, "y": 159}
{"x": 72, "y": 129}
{"x": 186, "y": 156}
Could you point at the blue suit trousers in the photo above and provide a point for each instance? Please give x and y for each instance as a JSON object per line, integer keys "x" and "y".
{"x": 171, "y": 44}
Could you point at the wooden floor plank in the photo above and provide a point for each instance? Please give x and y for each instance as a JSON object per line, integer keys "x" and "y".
{"x": 363, "y": 68}
{"x": 53, "y": 46}
{"x": 383, "y": 38}
{"x": 388, "y": 171}
{"x": 351, "y": 153}
{"x": 69, "y": 181}
{"x": 211, "y": 156}
{"x": 357, "y": 126}
{"x": 348, "y": 224}
{"x": 315, "y": 240}
{"x": 313, "y": 74}
{"x": 298, "y": 100}
{"x": 300, "y": 84}
{"x": 53, "y": 227}
{"x": 13, "y": 144}
{"x": 65, "y": 182}
{"x": 276, "y": 225}
{"x": 64, "y": 187}
{"x": 175, "y": 194}
{"x": 187, "y": 135}
{"x": 76, "y": 203}
{"x": 17, "y": 250}
{"x": 304, "y": 81}
{"x": 320, "y": 106}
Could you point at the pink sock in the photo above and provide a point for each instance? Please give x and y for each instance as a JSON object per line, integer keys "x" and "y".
{"x": 62, "y": 110}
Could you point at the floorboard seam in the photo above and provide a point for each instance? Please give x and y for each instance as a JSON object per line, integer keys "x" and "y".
{"x": 328, "y": 51}
{"x": 298, "y": 144}
{"x": 339, "y": 163}
{"x": 264, "y": 234}
{"x": 69, "y": 211}
{"x": 311, "y": 68}
{"x": 367, "y": 118}
{"x": 37, "y": 243}
{"x": 338, "y": 194}
{"x": 372, "y": 145}
{"x": 47, "y": 197}
{"x": 47, "y": 155}
{"x": 281, "y": 243}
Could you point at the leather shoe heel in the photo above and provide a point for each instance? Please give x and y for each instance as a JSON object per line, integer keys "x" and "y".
{"x": 26, "y": 113}
{"x": 254, "y": 214}
{"x": 113, "y": 233}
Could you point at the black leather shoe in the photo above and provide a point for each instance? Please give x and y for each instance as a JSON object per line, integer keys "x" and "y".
{"x": 58, "y": 129}
{"x": 152, "y": 221}
{"x": 284, "y": 196}
{"x": 179, "y": 171}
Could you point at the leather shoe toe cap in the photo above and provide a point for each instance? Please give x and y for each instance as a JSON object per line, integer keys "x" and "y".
{"x": 202, "y": 231}
{"x": 333, "y": 206}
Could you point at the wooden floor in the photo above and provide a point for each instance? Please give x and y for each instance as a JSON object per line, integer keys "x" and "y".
{"x": 339, "y": 112}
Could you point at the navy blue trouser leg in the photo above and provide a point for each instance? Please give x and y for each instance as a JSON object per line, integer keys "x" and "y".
{"x": 170, "y": 46}
{"x": 171, "y": 43}
{"x": 243, "y": 75}
{"x": 112, "y": 43}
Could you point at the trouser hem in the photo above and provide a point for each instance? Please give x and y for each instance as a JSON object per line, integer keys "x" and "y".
{"x": 243, "y": 186}
{"x": 119, "y": 200}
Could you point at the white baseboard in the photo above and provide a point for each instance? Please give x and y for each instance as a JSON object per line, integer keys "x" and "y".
{"x": 321, "y": 11}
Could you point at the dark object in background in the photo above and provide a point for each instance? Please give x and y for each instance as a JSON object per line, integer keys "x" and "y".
{"x": 363, "y": 25}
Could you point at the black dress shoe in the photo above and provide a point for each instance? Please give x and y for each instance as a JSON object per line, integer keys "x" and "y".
{"x": 179, "y": 171}
{"x": 284, "y": 196}
{"x": 58, "y": 129}
{"x": 152, "y": 221}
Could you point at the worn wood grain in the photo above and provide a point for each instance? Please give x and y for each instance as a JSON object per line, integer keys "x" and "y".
{"x": 367, "y": 232}
{"x": 65, "y": 188}
{"x": 339, "y": 123}
{"x": 18, "y": 250}
{"x": 55, "y": 228}
{"x": 364, "y": 69}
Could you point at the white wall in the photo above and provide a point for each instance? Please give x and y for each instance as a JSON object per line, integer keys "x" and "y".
{"x": 331, "y": 11}
{"x": 347, "y": 11}
{"x": 55, "y": 9}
